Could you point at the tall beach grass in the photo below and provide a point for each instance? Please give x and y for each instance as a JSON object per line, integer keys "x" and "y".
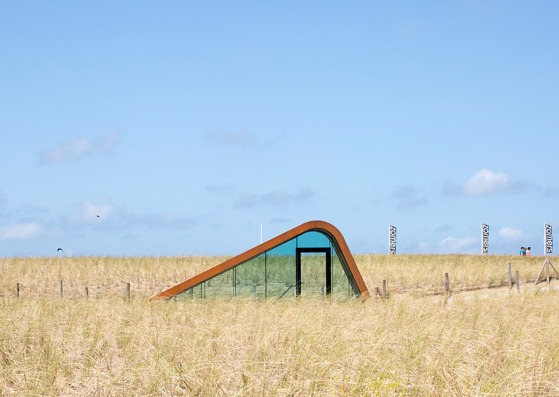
{"x": 417, "y": 343}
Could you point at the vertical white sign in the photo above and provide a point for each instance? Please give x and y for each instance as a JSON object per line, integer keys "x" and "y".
{"x": 548, "y": 248}
{"x": 392, "y": 239}
{"x": 484, "y": 238}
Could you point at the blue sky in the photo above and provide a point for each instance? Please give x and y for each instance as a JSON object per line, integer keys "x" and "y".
{"x": 179, "y": 128}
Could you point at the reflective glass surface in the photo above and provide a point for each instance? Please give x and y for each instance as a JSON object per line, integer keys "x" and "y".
{"x": 273, "y": 273}
{"x": 251, "y": 277}
{"x": 280, "y": 270}
{"x": 340, "y": 282}
{"x": 313, "y": 274}
{"x": 313, "y": 240}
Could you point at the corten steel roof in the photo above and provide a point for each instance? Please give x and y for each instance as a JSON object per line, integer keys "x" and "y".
{"x": 326, "y": 228}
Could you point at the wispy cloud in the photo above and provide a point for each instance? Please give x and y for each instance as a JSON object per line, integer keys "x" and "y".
{"x": 105, "y": 215}
{"x": 408, "y": 197}
{"x": 458, "y": 245}
{"x": 486, "y": 182}
{"x": 511, "y": 235}
{"x": 27, "y": 209}
{"x": 78, "y": 148}
{"x": 443, "y": 228}
{"x": 551, "y": 192}
{"x": 423, "y": 247}
{"x": 21, "y": 231}
{"x": 277, "y": 198}
{"x": 238, "y": 138}
{"x": 157, "y": 220}
{"x": 90, "y": 213}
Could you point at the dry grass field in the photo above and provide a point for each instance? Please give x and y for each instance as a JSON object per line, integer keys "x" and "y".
{"x": 483, "y": 340}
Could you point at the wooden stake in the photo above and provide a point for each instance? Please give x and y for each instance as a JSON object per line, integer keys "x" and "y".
{"x": 546, "y": 266}
{"x": 446, "y": 283}
{"x": 510, "y": 276}
{"x": 128, "y": 292}
{"x": 384, "y": 293}
{"x": 17, "y": 290}
{"x": 61, "y": 289}
{"x": 517, "y": 281}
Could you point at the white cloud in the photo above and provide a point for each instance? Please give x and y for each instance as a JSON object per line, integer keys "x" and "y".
{"x": 486, "y": 182}
{"x": 511, "y": 235}
{"x": 451, "y": 244}
{"x": 21, "y": 231}
{"x": 78, "y": 148}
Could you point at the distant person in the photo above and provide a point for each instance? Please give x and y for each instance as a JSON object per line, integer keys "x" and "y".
{"x": 522, "y": 251}
{"x": 528, "y": 253}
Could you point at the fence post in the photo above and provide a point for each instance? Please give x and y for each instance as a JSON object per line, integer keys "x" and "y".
{"x": 517, "y": 281}
{"x": 61, "y": 289}
{"x": 384, "y": 293}
{"x": 446, "y": 284}
{"x": 17, "y": 290}
{"x": 510, "y": 276}
{"x": 86, "y": 293}
{"x": 128, "y": 292}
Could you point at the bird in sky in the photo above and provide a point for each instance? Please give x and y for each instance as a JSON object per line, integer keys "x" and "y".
{"x": 60, "y": 249}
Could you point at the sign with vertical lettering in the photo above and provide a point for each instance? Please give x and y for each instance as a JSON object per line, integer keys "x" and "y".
{"x": 484, "y": 238}
{"x": 548, "y": 239}
{"x": 392, "y": 240}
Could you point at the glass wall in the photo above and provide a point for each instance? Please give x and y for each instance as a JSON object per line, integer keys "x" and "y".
{"x": 273, "y": 274}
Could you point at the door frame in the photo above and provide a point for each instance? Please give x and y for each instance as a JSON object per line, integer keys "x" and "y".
{"x": 300, "y": 251}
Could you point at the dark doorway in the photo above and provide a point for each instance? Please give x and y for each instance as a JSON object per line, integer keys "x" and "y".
{"x": 313, "y": 272}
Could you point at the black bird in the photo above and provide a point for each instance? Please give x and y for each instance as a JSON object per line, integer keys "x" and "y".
{"x": 97, "y": 216}
{"x": 60, "y": 249}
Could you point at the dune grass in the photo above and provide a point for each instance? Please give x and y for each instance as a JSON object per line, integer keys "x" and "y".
{"x": 417, "y": 343}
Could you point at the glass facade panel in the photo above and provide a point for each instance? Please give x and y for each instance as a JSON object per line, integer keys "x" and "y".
{"x": 273, "y": 274}
{"x": 188, "y": 294}
{"x": 220, "y": 286}
{"x": 250, "y": 278}
{"x": 198, "y": 291}
{"x": 280, "y": 270}
{"x": 341, "y": 287}
{"x": 313, "y": 274}
{"x": 313, "y": 240}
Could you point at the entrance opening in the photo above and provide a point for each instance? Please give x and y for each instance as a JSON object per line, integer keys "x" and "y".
{"x": 313, "y": 272}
